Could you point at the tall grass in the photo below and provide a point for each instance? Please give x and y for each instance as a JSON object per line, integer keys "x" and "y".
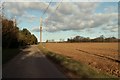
{"x": 78, "y": 68}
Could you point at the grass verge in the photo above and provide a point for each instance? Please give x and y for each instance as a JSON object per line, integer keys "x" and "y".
{"x": 8, "y": 54}
{"x": 80, "y": 70}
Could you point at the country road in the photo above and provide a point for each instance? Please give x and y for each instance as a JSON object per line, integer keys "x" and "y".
{"x": 31, "y": 63}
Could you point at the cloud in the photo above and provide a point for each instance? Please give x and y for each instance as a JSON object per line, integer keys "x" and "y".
{"x": 23, "y": 0}
{"x": 28, "y": 17}
{"x": 35, "y": 29}
{"x": 111, "y": 9}
{"x": 69, "y": 16}
{"x": 59, "y": 0}
{"x": 13, "y": 9}
{"x": 111, "y": 28}
{"x": 20, "y": 8}
{"x": 78, "y": 16}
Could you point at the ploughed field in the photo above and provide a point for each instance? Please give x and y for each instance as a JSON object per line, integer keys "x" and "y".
{"x": 99, "y": 56}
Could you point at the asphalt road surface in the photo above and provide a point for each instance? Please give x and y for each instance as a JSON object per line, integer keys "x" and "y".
{"x": 30, "y": 63}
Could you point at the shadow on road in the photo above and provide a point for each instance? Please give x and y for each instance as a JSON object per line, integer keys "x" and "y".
{"x": 30, "y": 63}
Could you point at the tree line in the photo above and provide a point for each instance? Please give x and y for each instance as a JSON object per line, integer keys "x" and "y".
{"x": 12, "y": 37}
{"x": 97, "y": 39}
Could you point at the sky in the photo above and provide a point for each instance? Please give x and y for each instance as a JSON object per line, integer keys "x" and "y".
{"x": 65, "y": 19}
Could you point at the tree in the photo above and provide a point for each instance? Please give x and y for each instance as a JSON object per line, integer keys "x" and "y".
{"x": 9, "y": 34}
{"x": 25, "y": 32}
{"x": 61, "y": 40}
{"x": 53, "y": 40}
{"x": 47, "y": 41}
{"x": 77, "y": 39}
{"x": 33, "y": 39}
{"x": 12, "y": 37}
{"x": 111, "y": 39}
{"x": 26, "y": 38}
{"x": 97, "y": 39}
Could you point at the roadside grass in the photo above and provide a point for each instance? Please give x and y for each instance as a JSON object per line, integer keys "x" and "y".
{"x": 77, "y": 68}
{"x": 8, "y": 54}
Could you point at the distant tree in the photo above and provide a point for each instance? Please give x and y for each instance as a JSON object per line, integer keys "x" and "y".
{"x": 60, "y": 40}
{"x": 53, "y": 40}
{"x": 111, "y": 39}
{"x": 63, "y": 40}
{"x": 97, "y": 39}
{"x": 69, "y": 40}
{"x": 77, "y": 39}
{"x": 47, "y": 41}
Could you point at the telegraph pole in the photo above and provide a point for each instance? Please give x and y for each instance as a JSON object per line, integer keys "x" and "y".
{"x": 41, "y": 30}
{"x": 15, "y": 23}
{"x": 1, "y": 9}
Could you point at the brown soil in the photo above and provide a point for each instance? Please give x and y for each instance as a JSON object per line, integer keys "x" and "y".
{"x": 99, "y": 56}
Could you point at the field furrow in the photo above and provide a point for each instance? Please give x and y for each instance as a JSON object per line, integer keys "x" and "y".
{"x": 100, "y": 56}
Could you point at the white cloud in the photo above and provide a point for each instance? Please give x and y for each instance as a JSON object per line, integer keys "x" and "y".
{"x": 20, "y": 8}
{"x": 59, "y": 0}
{"x": 35, "y": 29}
{"x": 22, "y": 0}
{"x": 111, "y": 28}
{"x": 111, "y": 9}
{"x": 78, "y": 16}
{"x": 69, "y": 16}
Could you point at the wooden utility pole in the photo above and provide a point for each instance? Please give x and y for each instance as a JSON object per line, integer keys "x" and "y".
{"x": 2, "y": 9}
{"x": 15, "y": 23}
{"x": 41, "y": 30}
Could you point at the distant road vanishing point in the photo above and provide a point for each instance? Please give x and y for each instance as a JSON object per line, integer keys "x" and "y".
{"x": 30, "y": 63}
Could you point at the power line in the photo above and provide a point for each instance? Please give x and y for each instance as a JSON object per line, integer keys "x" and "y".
{"x": 46, "y": 8}
{"x": 55, "y": 11}
{"x": 58, "y": 5}
{"x": 41, "y": 21}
